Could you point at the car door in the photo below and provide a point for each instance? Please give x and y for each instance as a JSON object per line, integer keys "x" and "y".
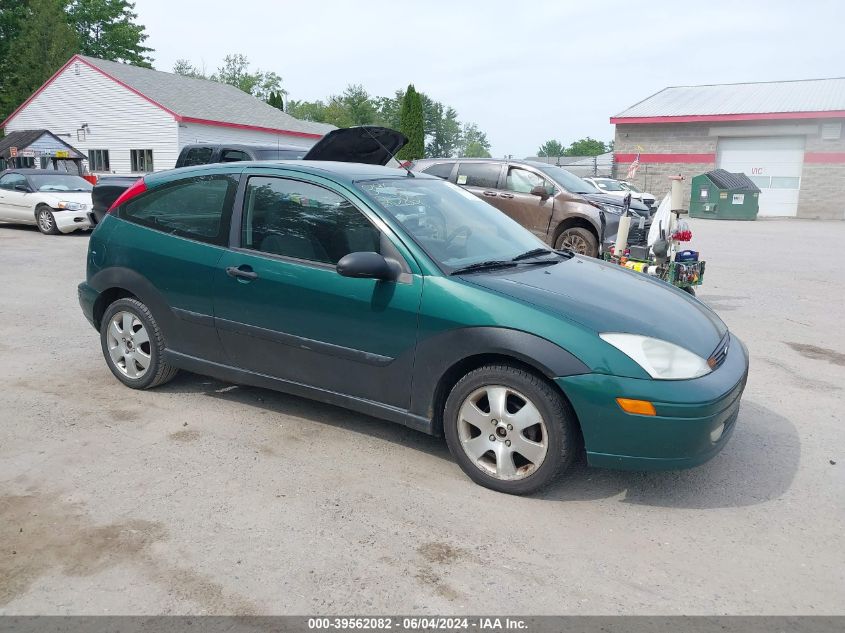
{"x": 281, "y": 308}
{"x": 481, "y": 178}
{"x": 530, "y": 210}
{"x": 15, "y": 205}
{"x": 173, "y": 235}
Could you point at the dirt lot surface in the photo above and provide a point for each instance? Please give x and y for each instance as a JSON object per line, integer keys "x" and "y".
{"x": 204, "y": 497}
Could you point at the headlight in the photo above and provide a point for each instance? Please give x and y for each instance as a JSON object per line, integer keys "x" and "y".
{"x": 660, "y": 359}
{"x": 71, "y": 206}
{"x": 607, "y": 208}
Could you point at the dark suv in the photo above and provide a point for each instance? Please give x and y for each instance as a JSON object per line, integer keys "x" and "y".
{"x": 554, "y": 204}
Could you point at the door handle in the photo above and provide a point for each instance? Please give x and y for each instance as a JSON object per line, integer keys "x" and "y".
{"x": 242, "y": 272}
{"x": 506, "y": 195}
{"x": 490, "y": 193}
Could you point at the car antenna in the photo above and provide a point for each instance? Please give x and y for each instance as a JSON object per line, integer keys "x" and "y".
{"x": 373, "y": 136}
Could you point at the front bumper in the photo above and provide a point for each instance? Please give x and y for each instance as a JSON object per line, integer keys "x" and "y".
{"x": 695, "y": 418}
{"x": 69, "y": 221}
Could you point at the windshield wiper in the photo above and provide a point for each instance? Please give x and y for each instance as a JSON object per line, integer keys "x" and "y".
{"x": 533, "y": 253}
{"x": 488, "y": 265}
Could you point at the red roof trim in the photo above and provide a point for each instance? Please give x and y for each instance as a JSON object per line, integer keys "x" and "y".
{"x": 667, "y": 158}
{"x": 707, "y": 118}
{"x": 824, "y": 157}
{"x": 244, "y": 126}
{"x": 177, "y": 117}
{"x": 37, "y": 92}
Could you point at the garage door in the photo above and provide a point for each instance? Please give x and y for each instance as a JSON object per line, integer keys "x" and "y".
{"x": 773, "y": 162}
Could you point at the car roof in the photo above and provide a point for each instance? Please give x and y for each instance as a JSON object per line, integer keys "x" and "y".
{"x": 348, "y": 172}
{"x": 29, "y": 171}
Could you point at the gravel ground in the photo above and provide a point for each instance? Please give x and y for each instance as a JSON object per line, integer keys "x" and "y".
{"x": 207, "y": 498}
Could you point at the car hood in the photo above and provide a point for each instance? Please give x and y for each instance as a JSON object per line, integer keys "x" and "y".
{"x": 606, "y": 298}
{"x": 358, "y": 145}
{"x": 606, "y": 198}
{"x": 67, "y": 196}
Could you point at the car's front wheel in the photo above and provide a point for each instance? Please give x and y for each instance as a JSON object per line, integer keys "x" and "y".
{"x": 508, "y": 429}
{"x": 133, "y": 345}
{"x": 45, "y": 220}
{"x": 578, "y": 240}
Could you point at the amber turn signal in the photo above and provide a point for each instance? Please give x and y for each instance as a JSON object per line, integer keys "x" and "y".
{"x": 637, "y": 407}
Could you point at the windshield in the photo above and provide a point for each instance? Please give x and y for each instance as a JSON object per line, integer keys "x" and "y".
{"x": 628, "y": 185}
{"x": 609, "y": 185}
{"x": 566, "y": 179}
{"x": 454, "y": 227}
{"x": 59, "y": 183}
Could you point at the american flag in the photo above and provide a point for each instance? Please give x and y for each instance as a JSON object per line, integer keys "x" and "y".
{"x": 632, "y": 170}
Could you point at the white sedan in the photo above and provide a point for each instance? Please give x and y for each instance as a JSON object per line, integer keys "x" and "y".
{"x": 621, "y": 189}
{"x": 55, "y": 202}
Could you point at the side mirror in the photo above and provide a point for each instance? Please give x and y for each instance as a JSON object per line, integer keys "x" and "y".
{"x": 23, "y": 188}
{"x": 368, "y": 265}
{"x": 541, "y": 191}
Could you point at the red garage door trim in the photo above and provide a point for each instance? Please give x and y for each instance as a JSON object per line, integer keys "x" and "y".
{"x": 709, "y": 118}
{"x": 824, "y": 157}
{"x": 667, "y": 158}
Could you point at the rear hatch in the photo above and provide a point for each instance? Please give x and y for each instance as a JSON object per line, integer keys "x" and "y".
{"x": 369, "y": 144}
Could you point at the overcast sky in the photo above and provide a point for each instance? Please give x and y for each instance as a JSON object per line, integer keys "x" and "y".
{"x": 525, "y": 71}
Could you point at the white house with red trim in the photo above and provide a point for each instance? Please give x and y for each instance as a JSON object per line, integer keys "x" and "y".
{"x": 131, "y": 120}
{"x": 787, "y": 136}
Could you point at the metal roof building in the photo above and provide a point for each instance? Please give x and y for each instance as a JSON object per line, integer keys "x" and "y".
{"x": 129, "y": 119}
{"x": 786, "y": 136}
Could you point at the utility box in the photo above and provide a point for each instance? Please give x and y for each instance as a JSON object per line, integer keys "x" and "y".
{"x": 721, "y": 195}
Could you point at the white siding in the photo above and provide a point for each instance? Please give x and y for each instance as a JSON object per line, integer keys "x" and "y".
{"x": 119, "y": 120}
{"x": 195, "y": 133}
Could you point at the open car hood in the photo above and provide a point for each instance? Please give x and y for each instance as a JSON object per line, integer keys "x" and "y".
{"x": 357, "y": 145}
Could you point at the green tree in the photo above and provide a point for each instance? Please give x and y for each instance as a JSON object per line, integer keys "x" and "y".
{"x": 474, "y": 143}
{"x": 551, "y": 148}
{"x": 12, "y": 14}
{"x": 276, "y": 100}
{"x": 185, "y": 68}
{"x": 412, "y": 125}
{"x": 43, "y": 43}
{"x": 107, "y": 29}
{"x": 586, "y": 147}
{"x": 307, "y": 110}
{"x": 235, "y": 71}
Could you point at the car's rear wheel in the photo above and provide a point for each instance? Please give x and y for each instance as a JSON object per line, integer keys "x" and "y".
{"x": 45, "y": 220}
{"x": 508, "y": 429}
{"x": 578, "y": 240}
{"x": 133, "y": 345}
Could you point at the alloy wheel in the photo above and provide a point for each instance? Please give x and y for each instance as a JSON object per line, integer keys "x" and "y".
{"x": 129, "y": 344}
{"x": 502, "y": 432}
{"x": 45, "y": 221}
{"x": 575, "y": 243}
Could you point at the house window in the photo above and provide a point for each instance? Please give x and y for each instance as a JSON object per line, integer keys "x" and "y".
{"x": 98, "y": 160}
{"x": 142, "y": 159}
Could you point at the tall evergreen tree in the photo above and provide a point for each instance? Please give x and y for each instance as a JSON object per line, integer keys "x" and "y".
{"x": 43, "y": 43}
{"x": 412, "y": 125}
{"x": 12, "y": 14}
{"x": 107, "y": 29}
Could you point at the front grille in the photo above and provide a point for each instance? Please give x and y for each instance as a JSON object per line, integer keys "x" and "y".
{"x": 718, "y": 357}
{"x": 638, "y": 236}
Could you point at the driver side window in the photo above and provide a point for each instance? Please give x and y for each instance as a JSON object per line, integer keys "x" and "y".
{"x": 523, "y": 181}
{"x": 9, "y": 181}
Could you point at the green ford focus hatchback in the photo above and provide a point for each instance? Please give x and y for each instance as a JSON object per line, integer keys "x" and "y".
{"x": 408, "y": 298}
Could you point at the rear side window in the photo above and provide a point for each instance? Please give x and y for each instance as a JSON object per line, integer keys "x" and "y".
{"x": 479, "y": 174}
{"x": 441, "y": 170}
{"x": 196, "y": 156}
{"x": 300, "y": 220}
{"x": 198, "y": 208}
{"x": 233, "y": 156}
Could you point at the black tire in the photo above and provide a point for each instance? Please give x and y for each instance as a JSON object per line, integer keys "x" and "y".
{"x": 45, "y": 221}
{"x": 560, "y": 424}
{"x": 585, "y": 243}
{"x": 158, "y": 371}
